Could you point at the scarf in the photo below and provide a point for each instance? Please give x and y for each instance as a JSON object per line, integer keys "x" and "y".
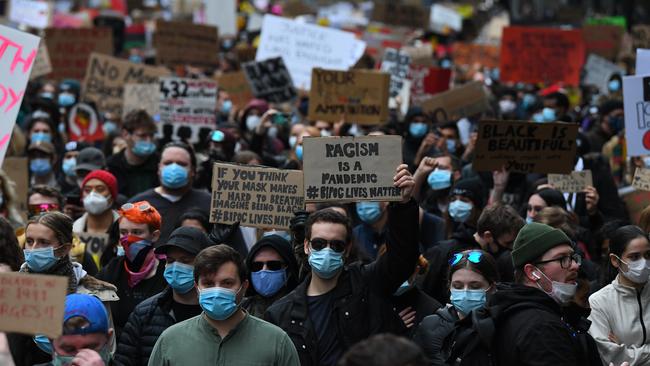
{"x": 136, "y": 277}
{"x": 62, "y": 267}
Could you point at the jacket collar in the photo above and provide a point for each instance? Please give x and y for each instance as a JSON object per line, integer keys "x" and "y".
{"x": 626, "y": 290}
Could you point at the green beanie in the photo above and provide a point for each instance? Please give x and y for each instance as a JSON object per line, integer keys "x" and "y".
{"x": 534, "y": 240}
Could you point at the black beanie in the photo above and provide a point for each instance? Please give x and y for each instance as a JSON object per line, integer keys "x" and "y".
{"x": 471, "y": 188}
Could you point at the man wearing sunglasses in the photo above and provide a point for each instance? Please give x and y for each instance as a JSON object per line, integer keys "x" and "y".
{"x": 538, "y": 332}
{"x": 338, "y": 305}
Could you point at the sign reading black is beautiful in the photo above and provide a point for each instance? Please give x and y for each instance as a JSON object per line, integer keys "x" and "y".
{"x": 351, "y": 168}
{"x": 270, "y": 80}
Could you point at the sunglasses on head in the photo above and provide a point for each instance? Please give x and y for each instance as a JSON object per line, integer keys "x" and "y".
{"x": 473, "y": 256}
{"x": 270, "y": 265}
{"x": 142, "y": 207}
{"x": 335, "y": 245}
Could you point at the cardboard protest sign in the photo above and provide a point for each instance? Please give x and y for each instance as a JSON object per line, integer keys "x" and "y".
{"x": 106, "y": 77}
{"x": 255, "y": 196}
{"x": 525, "y": 147}
{"x": 32, "y": 303}
{"x": 642, "y": 61}
{"x": 183, "y": 43}
{"x": 427, "y": 81}
{"x": 346, "y": 169}
{"x": 641, "y": 180}
{"x": 420, "y": 56}
{"x": 141, "y": 96}
{"x": 533, "y": 55}
{"x": 16, "y": 168}
{"x": 599, "y": 71}
{"x": 270, "y": 80}
{"x": 84, "y": 124}
{"x": 456, "y": 103}
{"x": 398, "y": 13}
{"x": 357, "y": 96}
{"x": 396, "y": 64}
{"x": 306, "y": 46}
{"x": 635, "y": 202}
{"x": 17, "y": 53}
{"x": 603, "y": 40}
{"x": 636, "y": 101}
{"x": 42, "y": 64}
{"x": 571, "y": 183}
{"x": 70, "y": 49}
{"x": 34, "y": 13}
{"x": 95, "y": 243}
{"x": 444, "y": 19}
{"x": 189, "y": 106}
{"x": 236, "y": 84}
{"x": 641, "y": 36}
{"x": 471, "y": 54}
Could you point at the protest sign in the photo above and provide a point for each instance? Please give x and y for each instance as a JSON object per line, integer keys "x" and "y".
{"x": 603, "y": 40}
{"x": 33, "y": 13}
{"x": 398, "y": 13}
{"x": 525, "y": 147}
{"x": 420, "y": 56}
{"x": 636, "y": 102}
{"x": 599, "y": 71}
{"x": 17, "y": 53}
{"x": 32, "y": 303}
{"x": 182, "y": 43}
{"x": 236, "y": 84}
{"x": 16, "y": 169}
{"x": 444, "y": 19}
{"x": 346, "y": 169}
{"x": 189, "y": 106}
{"x": 456, "y": 103}
{"x": 255, "y": 196}
{"x": 547, "y": 55}
{"x": 641, "y": 180}
{"x": 95, "y": 243}
{"x": 84, "y": 124}
{"x": 571, "y": 183}
{"x": 403, "y": 99}
{"x": 223, "y": 15}
{"x": 42, "y": 64}
{"x": 471, "y": 54}
{"x": 70, "y": 49}
{"x": 635, "y": 202}
{"x": 642, "y": 61}
{"x": 641, "y": 36}
{"x": 306, "y": 46}
{"x": 396, "y": 64}
{"x": 106, "y": 77}
{"x": 357, "y": 96}
{"x": 270, "y": 80}
{"x": 141, "y": 96}
{"x": 427, "y": 81}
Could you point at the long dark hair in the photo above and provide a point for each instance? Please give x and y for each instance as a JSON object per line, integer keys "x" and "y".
{"x": 486, "y": 267}
{"x": 10, "y": 253}
{"x": 618, "y": 242}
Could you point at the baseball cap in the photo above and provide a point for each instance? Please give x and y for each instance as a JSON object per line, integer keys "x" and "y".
{"x": 89, "y": 159}
{"x": 190, "y": 239}
{"x": 89, "y": 308}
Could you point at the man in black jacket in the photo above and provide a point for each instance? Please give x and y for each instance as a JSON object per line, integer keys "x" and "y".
{"x": 337, "y": 306}
{"x": 176, "y": 303}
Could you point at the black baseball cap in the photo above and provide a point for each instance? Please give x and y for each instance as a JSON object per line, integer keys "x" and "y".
{"x": 190, "y": 239}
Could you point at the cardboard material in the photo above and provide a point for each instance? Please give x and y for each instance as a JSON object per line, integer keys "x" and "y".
{"x": 33, "y": 13}
{"x": 396, "y": 64}
{"x": 32, "y": 303}
{"x": 459, "y": 102}
{"x": 182, "y": 43}
{"x": 188, "y": 106}
{"x": 18, "y": 52}
{"x": 84, "y": 124}
{"x": 636, "y": 100}
{"x": 571, "y": 183}
{"x": 598, "y": 72}
{"x": 141, "y": 96}
{"x": 270, "y": 80}
{"x": 345, "y": 169}
{"x": 525, "y": 147}
{"x": 399, "y": 13}
{"x": 471, "y": 54}
{"x": 16, "y": 169}
{"x": 541, "y": 55}
{"x": 70, "y": 49}
{"x": 420, "y": 56}
{"x": 106, "y": 77}
{"x": 357, "y": 96}
{"x": 255, "y": 196}
{"x": 603, "y": 40}
{"x": 635, "y": 202}
{"x": 428, "y": 81}
{"x": 236, "y": 84}
{"x": 641, "y": 180}
{"x": 42, "y": 64}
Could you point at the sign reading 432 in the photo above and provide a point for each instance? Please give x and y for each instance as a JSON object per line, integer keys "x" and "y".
{"x": 171, "y": 88}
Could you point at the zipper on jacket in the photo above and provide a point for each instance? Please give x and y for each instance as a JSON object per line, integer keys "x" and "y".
{"x": 638, "y": 298}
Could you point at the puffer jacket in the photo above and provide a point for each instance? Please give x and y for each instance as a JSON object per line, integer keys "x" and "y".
{"x": 434, "y": 331}
{"x": 625, "y": 312}
{"x": 146, "y": 323}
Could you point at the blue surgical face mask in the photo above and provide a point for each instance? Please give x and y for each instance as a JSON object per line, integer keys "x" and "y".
{"x": 41, "y": 259}
{"x": 135, "y": 59}
{"x": 120, "y": 251}
{"x": 174, "y": 176}
{"x": 40, "y": 167}
{"x": 46, "y": 95}
{"x": 538, "y": 117}
{"x": 109, "y": 127}
{"x": 459, "y": 210}
{"x": 43, "y": 343}
{"x": 451, "y": 146}
{"x": 292, "y": 141}
{"x": 268, "y": 283}
{"x": 614, "y": 85}
{"x": 144, "y": 148}
{"x": 180, "y": 277}
{"x": 326, "y": 262}
{"x": 418, "y": 129}
{"x": 467, "y": 300}
{"x": 403, "y": 288}
{"x": 68, "y": 166}
{"x": 41, "y": 137}
{"x": 369, "y": 212}
{"x": 527, "y": 101}
{"x": 549, "y": 114}
{"x": 529, "y": 219}
{"x": 299, "y": 152}
{"x": 218, "y": 303}
{"x": 226, "y": 106}
{"x": 66, "y": 99}
{"x": 439, "y": 179}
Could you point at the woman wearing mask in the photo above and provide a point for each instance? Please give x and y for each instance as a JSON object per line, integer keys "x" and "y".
{"x": 542, "y": 198}
{"x": 294, "y": 160}
{"x": 415, "y": 146}
{"x": 619, "y": 317}
{"x": 98, "y": 193}
{"x": 473, "y": 275}
{"x": 252, "y": 117}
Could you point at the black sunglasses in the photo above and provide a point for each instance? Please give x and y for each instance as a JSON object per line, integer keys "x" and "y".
{"x": 335, "y": 245}
{"x": 271, "y": 265}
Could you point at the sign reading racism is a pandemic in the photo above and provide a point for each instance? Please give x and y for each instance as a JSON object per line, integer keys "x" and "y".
{"x": 636, "y": 100}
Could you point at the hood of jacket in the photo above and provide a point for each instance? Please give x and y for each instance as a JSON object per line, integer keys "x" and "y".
{"x": 509, "y": 294}
{"x": 284, "y": 249}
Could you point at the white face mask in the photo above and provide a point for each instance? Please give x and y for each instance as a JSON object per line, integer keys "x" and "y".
{"x": 561, "y": 292}
{"x": 95, "y": 203}
{"x": 252, "y": 122}
{"x": 637, "y": 271}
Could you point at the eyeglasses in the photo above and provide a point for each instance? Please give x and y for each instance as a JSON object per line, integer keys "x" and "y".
{"x": 565, "y": 261}
{"x": 335, "y": 245}
{"x": 43, "y": 207}
{"x": 271, "y": 265}
{"x": 142, "y": 207}
{"x": 474, "y": 256}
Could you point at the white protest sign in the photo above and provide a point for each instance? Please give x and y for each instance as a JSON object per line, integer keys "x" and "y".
{"x": 598, "y": 72}
{"x": 189, "y": 105}
{"x": 346, "y": 169}
{"x": 307, "y": 46}
{"x": 33, "y": 13}
{"x": 444, "y": 19}
{"x": 404, "y": 96}
{"x": 396, "y": 63}
{"x": 17, "y": 53}
{"x": 642, "y": 61}
{"x": 223, "y": 15}
{"x": 636, "y": 100}
{"x": 141, "y": 96}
